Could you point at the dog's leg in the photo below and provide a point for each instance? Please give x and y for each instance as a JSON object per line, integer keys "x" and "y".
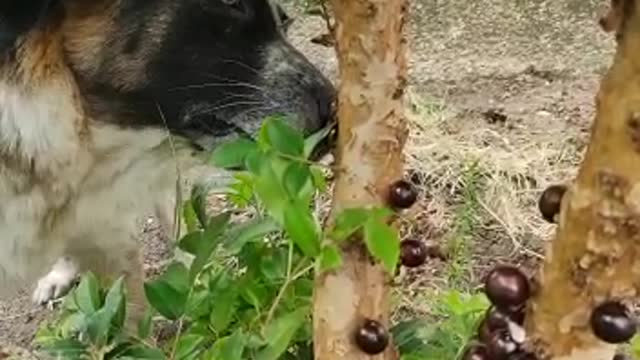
{"x": 110, "y": 263}
{"x": 123, "y": 259}
{"x": 57, "y": 282}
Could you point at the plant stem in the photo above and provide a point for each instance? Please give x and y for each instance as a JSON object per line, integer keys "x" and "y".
{"x": 285, "y": 285}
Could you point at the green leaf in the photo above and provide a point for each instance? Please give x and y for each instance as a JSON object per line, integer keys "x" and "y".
{"x": 176, "y": 275}
{"x": 232, "y": 154}
{"x": 187, "y": 345}
{"x": 330, "y": 258}
{"x": 189, "y": 216}
{"x": 270, "y": 190}
{"x": 98, "y": 326}
{"x": 115, "y": 304}
{"x": 274, "y": 266}
{"x": 318, "y": 178}
{"x": 145, "y": 324}
{"x": 224, "y": 293}
{"x": 198, "y": 199}
{"x": 87, "y": 294}
{"x": 296, "y": 177}
{"x": 283, "y": 138}
{"x": 100, "y": 323}
{"x": 191, "y": 242}
{"x": 302, "y": 228}
{"x": 635, "y": 347}
{"x": 254, "y": 161}
{"x": 383, "y": 243}
{"x": 280, "y": 332}
{"x": 312, "y": 141}
{"x": 210, "y": 240}
{"x": 229, "y": 347}
{"x": 408, "y": 337}
{"x": 168, "y": 294}
{"x": 349, "y": 221}
{"x": 73, "y": 324}
{"x": 140, "y": 352}
{"x": 253, "y": 230}
{"x": 199, "y": 303}
{"x": 241, "y": 191}
{"x": 66, "y": 349}
{"x": 254, "y": 293}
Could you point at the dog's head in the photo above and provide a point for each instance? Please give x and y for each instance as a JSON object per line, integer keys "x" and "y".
{"x": 203, "y": 69}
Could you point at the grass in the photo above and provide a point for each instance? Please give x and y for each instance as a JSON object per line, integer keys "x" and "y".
{"x": 459, "y": 270}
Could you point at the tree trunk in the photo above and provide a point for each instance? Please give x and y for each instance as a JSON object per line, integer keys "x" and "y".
{"x": 372, "y": 134}
{"x": 596, "y": 253}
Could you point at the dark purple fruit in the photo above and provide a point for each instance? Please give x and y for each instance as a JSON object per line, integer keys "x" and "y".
{"x": 493, "y": 321}
{"x": 517, "y": 315}
{"x": 476, "y": 352}
{"x": 521, "y": 355}
{"x": 484, "y": 332}
{"x": 550, "y": 200}
{"x": 496, "y": 319}
{"x": 413, "y": 253}
{"x": 402, "y": 194}
{"x": 500, "y": 345}
{"x": 612, "y": 323}
{"x": 507, "y": 288}
{"x": 372, "y": 338}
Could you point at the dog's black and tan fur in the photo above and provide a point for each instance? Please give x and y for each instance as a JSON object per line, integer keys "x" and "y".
{"x": 90, "y": 92}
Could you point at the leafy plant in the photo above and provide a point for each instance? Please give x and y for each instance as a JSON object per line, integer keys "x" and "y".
{"x": 247, "y": 291}
{"x": 457, "y": 316}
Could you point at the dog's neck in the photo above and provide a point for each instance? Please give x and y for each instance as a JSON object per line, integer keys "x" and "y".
{"x": 42, "y": 123}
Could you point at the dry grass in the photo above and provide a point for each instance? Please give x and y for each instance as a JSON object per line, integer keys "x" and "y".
{"x": 515, "y": 165}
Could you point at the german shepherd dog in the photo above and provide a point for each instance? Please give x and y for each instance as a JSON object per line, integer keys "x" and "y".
{"x": 104, "y": 102}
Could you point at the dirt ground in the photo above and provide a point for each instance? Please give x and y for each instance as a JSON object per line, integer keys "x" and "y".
{"x": 502, "y": 96}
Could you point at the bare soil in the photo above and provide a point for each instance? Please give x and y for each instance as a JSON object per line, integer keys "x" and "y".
{"x": 502, "y": 97}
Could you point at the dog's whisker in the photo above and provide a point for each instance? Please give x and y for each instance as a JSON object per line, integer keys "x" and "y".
{"x": 246, "y": 66}
{"x": 210, "y": 85}
{"x": 233, "y": 81}
{"x": 210, "y": 109}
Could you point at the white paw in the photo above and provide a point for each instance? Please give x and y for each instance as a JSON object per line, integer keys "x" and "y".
{"x": 57, "y": 282}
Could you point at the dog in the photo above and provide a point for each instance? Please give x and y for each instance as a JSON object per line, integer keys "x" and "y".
{"x": 103, "y": 104}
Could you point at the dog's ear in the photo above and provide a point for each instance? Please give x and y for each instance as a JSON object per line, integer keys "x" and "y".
{"x": 17, "y": 17}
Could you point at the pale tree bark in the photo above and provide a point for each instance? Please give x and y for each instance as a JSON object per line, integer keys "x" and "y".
{"x": 596, "y": 253}
{"x": 372, "y": 134}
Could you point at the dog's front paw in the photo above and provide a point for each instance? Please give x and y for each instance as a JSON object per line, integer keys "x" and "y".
{"x": 57, "y": 282}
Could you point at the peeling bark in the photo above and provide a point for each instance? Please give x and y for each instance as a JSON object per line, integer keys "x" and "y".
{"x": 596, "y": 253}
{"x": 372, "y": 135}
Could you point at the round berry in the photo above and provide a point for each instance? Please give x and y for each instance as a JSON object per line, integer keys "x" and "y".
{"x": 550, "y": 201}
{"x": 621, "y": 357}
{"x": 496, "y": 319}
{"x": 493, "y": 321}
{"x": 372, "y": 338}
{"x": 402, "y": 194}
{"x": 612, "y": 323}
{"x": 500, "y": 345}
{"x": 517, "y": 315}
{"x": 507, "y": 288}
{"x": 520, "y": 355}
{"x": 476, "y": 352}
{"x": 413, "y": 253}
